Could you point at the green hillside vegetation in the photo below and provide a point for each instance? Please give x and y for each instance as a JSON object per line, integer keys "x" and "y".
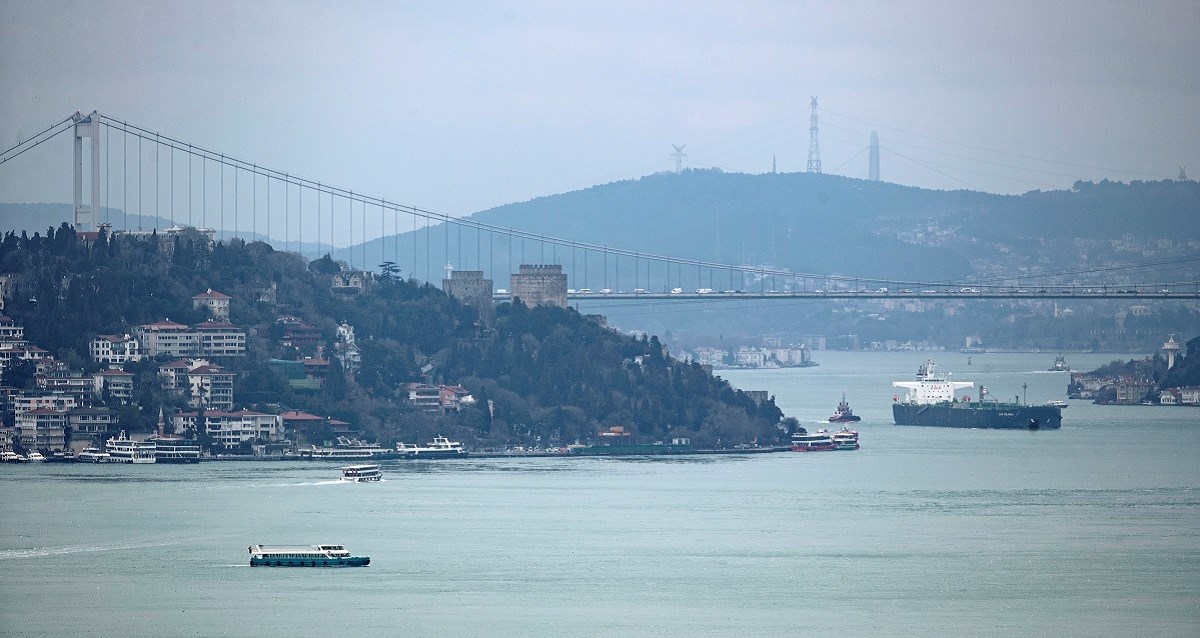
{"x": 552, "y": 375}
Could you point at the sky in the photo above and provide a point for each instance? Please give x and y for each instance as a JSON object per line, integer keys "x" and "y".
{"x": 459, "y": 107}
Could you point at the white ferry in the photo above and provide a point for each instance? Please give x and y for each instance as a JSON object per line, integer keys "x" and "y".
{"x": 92, "y": 455}
{"x": 362, "y": 473}
{"x": 176, "y": 450}
{"x": 304, "y": 556}
{"x": 845, "y": 439}
{"x": 122, "y": 449}
{"x": 439, "y": 448}
{"x": 12, "y": 457}
{"x": 821, "y": 441}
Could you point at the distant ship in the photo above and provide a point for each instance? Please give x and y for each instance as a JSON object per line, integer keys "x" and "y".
{"x": 931, "y": 401}
{"x": 844, "y": 414}
{"x": 1060, "y": 365}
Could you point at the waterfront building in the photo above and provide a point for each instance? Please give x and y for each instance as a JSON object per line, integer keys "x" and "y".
{"x": 91, "y": 424}
{"x": 231, "y": 429}
{"x": 42, "y": 429}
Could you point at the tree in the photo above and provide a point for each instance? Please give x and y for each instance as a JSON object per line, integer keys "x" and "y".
{"x": 19, "y": 373}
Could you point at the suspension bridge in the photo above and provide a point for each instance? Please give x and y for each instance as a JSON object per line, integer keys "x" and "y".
{"x": 159, "y": 179}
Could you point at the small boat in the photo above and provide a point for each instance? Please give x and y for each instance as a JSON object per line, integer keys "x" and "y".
{"x": 35, "y": 457}
{"x": 844, "y": 414}
{"x": 91, "y": 455}
{"x": 1058, "y": 403}
{"x": 802, "y": 441}
{"x": 362, "y": 473}
{"x": 1060, "y": 365}
{"x": 439, "y": 448}
{"x": 12, "y": 457}
{"x": 304, "y": 556}
{"x": 845, "y": 439}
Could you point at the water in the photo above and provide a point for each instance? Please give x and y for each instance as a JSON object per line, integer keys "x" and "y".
{"x": 1089, "y": 530}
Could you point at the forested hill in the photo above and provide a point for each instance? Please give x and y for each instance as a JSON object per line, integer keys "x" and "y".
{"x": 814, "y": 223}
{"x": 552, "y": 375}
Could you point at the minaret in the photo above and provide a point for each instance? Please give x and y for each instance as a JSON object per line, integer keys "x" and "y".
{"x": 1170, "y": 348}
{"x": 162, "y": 424}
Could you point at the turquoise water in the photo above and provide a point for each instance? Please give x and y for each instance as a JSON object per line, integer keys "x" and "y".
{"x": 1089, "y": 530}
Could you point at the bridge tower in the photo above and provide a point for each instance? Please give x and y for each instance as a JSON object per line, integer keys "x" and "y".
{"x": 873, "y": 169}
{"x": 87, "y": 126}
{"x": 814, "y": 147}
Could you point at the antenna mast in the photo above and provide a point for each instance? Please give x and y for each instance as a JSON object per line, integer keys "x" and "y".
{"x": 679, "y": 156}
{"x": 814, "y": 147}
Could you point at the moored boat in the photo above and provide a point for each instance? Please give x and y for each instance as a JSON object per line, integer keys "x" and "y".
{"x": 440, "y": 448}
{"x": 92, "y": 455}
{"x": 844, "y": 414}
{"x": 362, "y": 473}
{"x": 304, "y": 556}
{"x": 122, "y": 449}
{"x": 176, "y": 450}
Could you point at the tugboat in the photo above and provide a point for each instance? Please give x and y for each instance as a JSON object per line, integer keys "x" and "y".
{"x": 844, "y": 414}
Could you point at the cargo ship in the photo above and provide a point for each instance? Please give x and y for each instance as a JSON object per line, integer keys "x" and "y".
{"x": 931, "y": 400}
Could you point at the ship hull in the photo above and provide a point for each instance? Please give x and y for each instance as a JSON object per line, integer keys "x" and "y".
{"x": 1004, "y": 417}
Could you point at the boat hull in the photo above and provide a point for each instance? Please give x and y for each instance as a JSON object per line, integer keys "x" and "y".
{"x": 1003, "y": 417}
{"x": 352, "y": 561}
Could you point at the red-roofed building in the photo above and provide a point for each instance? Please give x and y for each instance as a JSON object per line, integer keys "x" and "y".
{"x": 231, "y": 429}
{"x": 207, "y": 339}
{"x": 216, "y": 303}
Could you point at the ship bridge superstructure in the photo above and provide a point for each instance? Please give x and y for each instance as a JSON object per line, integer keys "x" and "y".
{"x": 930, "y": 388}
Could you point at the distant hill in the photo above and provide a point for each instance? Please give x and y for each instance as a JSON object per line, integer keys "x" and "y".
{"x": 804, "y": 222}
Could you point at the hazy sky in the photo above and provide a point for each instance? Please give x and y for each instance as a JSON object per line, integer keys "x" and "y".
{"x": 458, "y": 107}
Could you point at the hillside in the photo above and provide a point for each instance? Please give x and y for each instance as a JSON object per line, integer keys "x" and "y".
{"x": 816, "y": 223}
{"x": 551, "y": 375}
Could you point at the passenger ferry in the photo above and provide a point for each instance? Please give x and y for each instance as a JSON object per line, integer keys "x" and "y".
{"x": 802, "y": 441}
{"x": 362, "y": 473}
{"x": 92, "y": 455}
{"x": 122, "y": 449}
{"x": 439, "y": 448}
{"x": 304, "y": 556}
{"x": 845, "y": 439}
{"x": 173, "y": 450}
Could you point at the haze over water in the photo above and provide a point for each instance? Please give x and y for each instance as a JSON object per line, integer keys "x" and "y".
{"x": 1090, "y": 530}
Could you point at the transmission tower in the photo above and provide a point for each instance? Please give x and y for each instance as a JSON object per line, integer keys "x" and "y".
{"x": 679, "y": 156}
{"x": 814, "y": 147}
{"x": 873, "y": 168}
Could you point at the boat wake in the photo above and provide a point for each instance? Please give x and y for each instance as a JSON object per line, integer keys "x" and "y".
{"x": 40, "y": 552}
